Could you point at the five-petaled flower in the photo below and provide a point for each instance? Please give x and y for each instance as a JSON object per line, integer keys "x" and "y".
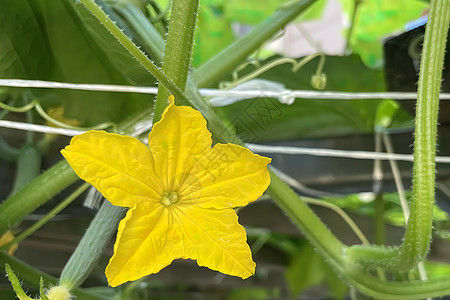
{"x": 180, "y": 191}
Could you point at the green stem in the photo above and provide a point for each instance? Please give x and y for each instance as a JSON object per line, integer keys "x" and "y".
{"x": 92, "y": 245}
{"x": 380, "y": 236}
{"x": 418, "y": 230}
{"x": 63, "y": 204}
{"x": 314, "y": 229}
{"x": 377, "y": 189}
{"x": 132, "y": 48}
{"x": 223, "y": 63}
{"x": 352, "y": 24}
{"x": 406, "y": 290}
{"x": 178, "y": 49}
{"x": 28, "y": 167}
{"x": 347, "y": 219}
{"x": 417, "y": 238}
{"x": 152, "y": 41}
{"x": 36, "y": 193}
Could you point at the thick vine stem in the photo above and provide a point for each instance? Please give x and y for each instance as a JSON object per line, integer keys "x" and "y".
{"x": 418, "y": 230}
{"x": 417, "y": 238}
{"x": 36, "y": 193}
{"x": 178, "y": 49}
{"x": 92, "y": 245}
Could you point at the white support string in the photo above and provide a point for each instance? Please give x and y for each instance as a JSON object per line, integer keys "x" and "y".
{"x": 244, "y": 94}
{"x": 39, "y": 128}
{"x": 222, "y": 93}
{"x": 254, "y": 147}
{"x": 337, "y": 153}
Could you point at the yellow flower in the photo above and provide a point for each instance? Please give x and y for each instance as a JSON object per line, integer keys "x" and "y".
{"x": 181, "y": 194}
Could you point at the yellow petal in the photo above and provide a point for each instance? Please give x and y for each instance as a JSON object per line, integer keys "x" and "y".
{"x": 176, "y": 141}
{"x": 147, "y": 241}
{"x": 120, "y": 167}
{"x": 216, "y": 240}
{"x": 226, "y": 176}
{"x": 5, "y": 239}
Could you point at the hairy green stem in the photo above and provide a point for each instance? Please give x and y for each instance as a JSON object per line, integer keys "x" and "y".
{"x": 36, "y": 193}
{"x": 178, "y": 50}
{"x": 92, "y": 245}
{"x": 314, "y": 229}
{"x": 132, "y": 48}
{"x": 418, "y": 230}
{"x": 152, "y": 41}
{"x": 417, "y": 238}
{"x": 223, "y": 63}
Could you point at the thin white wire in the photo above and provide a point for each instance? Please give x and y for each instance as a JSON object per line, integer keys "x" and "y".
{"x": 39, "y": 128}
{"x": 213, "y": 92}
{"x": 217, "y": 93}
{"x": 337, "y": 153}
{"x": 22, "y": 83}
{"x": 254, "y": 147}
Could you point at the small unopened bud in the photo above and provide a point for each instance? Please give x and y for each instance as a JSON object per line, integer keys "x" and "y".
{"x": 319, "y": 81}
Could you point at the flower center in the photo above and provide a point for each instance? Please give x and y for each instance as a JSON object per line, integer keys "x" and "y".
{"x": 169, "y": 198}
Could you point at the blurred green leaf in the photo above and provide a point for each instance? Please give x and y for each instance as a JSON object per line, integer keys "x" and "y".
{"x": 266, "y": 119}
{"x": 338, "y": 288}
{"x": 253, "y": 294}
{"x": 385, "y": 113}
{"x": 304, "y": 270}
{"x": 437, "y": 269}
{"x": 61, "y": 41}
{"x": 378, "y": 19}
{"x": 252, "y": 12}
{"x": 23, "y": 52}
{"x": 214, "y": 32}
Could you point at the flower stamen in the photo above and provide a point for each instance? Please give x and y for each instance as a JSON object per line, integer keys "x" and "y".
{"x": 169, "y": 198}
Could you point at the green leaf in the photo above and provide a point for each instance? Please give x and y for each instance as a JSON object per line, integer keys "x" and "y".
{"x": 23, "y": 52}
{"x": 385, "y": 113}
{"x": 338, "y": 288}
{"x": 378, "y": 19}
{"x": 213, "y": 33}
{"x": 437, "y": 269}
{"x": 265, "y": 119}
{"x": 304, "y": 270}
{"x": 253, "y": 12}
{"x": 253, "y": 293}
